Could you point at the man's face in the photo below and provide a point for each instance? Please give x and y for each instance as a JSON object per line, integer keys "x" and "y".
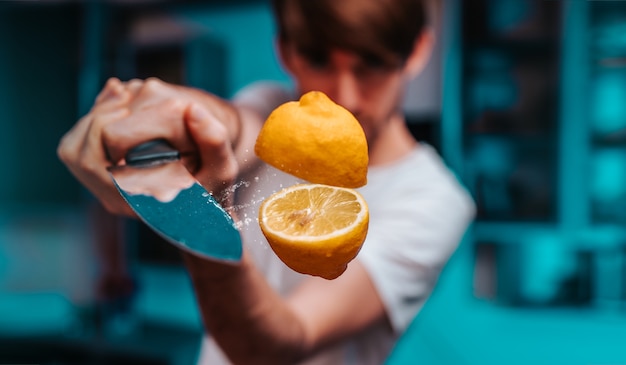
{"x": 370, "y": 91}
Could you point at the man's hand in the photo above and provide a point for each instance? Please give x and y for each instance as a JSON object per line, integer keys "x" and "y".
{"x": 200, "y": 125}
{"x": 81, "y": 148}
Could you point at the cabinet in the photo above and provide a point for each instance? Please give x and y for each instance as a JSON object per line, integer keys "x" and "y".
{"x": 607, "y": 116}
{"x": 535, "y": 125}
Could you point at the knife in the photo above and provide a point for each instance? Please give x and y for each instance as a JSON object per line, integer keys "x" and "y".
{"x": 165, "y": 196}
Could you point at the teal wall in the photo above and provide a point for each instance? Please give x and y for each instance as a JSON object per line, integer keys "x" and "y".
{"x": 38, "y": 102}
{"x": 248, "y": 33}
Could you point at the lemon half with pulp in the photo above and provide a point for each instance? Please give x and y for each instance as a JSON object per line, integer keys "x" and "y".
{"x": 315, "y": 229}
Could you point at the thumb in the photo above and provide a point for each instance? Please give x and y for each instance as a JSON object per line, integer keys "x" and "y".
{"x": 218, "y": 167}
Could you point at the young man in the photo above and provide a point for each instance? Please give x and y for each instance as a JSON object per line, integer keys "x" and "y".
{"x": 362, "y": 54}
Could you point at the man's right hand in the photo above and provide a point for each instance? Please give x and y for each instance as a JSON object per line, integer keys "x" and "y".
{"x": 126, "y": 114}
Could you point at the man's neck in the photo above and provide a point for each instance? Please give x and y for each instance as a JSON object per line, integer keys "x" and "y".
{"x": 392, "y": 144}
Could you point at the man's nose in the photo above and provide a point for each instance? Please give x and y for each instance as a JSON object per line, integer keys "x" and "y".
{"x": 347, "y": 91}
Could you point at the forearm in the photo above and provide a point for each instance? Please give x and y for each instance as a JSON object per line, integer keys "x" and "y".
{"x": 250, "y": 123}
{"x": 247, "y": 319}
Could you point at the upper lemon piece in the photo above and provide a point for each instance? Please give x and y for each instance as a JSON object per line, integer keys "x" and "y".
{"x": 316, "y": 140}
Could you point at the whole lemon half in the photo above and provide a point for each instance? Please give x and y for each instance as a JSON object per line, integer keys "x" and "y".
{"x": 316, "y": 140}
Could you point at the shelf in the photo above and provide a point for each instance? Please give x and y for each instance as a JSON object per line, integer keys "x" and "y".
{"x": 532, "y": 138}
{"x": 613, "y": 139}
{"x": 609, "y": 62}
{"x": 507, "y": 124}
{"x": 595, "y": 236}
{"x": 520, "y": 48}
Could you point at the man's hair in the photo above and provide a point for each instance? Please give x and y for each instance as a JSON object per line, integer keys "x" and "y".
{"x": 380, "y": 31}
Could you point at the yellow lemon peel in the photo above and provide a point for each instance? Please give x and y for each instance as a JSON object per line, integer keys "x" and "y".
{"x": 316, "y": 140}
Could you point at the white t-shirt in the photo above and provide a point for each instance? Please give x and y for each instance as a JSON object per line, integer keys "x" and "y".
{"x": 418, "y": 215}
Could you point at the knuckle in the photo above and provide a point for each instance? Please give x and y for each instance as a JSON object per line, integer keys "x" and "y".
{"x": 133, "y": 85}
{"x": 111, "y": 149}
{"x": 175, "y": 104}
{"x": 152, "y": 85}
{"x": 62, "y": 151}
{"x": 85, "y": 166}
{"x": 68, "y": 147}
{"x": 172, "y": 107}
{"x": 231, "y": 171}
{"x": 111, "y": 82}
{"x": 227, "y": 173}
{"x": 98, "y": 125}
{"x": 134, "y": 81}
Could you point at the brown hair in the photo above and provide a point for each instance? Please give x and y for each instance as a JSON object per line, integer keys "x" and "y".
{"x": 380, "y": 31}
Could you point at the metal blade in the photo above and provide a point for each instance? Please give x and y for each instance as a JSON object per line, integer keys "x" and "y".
{"x": 171, "y": 202}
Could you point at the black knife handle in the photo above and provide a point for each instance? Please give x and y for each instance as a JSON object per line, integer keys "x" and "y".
{"x": 152, "y": 152}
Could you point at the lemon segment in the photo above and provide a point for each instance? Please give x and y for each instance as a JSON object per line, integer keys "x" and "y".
{"x": 315, "y": 229}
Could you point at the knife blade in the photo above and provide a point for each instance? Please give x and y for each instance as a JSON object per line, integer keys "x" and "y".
{"x": 167, "y": 198}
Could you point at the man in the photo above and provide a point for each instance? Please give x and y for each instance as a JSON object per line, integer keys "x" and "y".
{"x": 362, "y": 54}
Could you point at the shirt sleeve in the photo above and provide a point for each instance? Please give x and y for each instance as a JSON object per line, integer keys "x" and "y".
{"x": 263, "y": 96}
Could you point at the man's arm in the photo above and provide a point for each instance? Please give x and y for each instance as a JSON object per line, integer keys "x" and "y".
{"x": 253, "y": 325}
{"x": 216, "y": 143}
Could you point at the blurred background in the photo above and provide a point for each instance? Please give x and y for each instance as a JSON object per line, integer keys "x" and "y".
{"x": 525, "y": 100}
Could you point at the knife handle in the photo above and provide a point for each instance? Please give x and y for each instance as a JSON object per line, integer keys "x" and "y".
{"x": 153, "y": 152}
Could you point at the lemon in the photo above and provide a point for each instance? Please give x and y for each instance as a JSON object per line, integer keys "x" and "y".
{"x": 315, "y": 229}
{"x": 316, "y": 140}
{"x": 319, "y": 227}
